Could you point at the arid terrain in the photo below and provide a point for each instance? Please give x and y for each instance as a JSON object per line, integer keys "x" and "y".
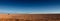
{"x": 29, "y": 17}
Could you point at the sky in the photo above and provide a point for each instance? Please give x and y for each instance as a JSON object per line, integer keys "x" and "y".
{"x": 29, "y": 6}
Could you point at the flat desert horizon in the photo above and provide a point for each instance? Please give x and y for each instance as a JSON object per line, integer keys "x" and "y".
{"x": 29, "y": 10}
{"x": 29, "y": 17}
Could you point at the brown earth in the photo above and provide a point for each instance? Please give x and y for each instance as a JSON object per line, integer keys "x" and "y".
{"x": 30, "y": 17}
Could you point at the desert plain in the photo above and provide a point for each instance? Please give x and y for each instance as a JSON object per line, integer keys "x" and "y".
{"x": 29, "y": 17}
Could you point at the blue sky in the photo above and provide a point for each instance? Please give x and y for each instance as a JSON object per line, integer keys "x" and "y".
{"x": 29, "y": 6}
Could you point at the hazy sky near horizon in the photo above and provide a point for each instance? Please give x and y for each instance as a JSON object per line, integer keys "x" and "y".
{"x": 29, "y": 6}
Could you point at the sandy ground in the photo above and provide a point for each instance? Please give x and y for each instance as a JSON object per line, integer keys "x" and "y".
{"x": 34, "y": 17}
